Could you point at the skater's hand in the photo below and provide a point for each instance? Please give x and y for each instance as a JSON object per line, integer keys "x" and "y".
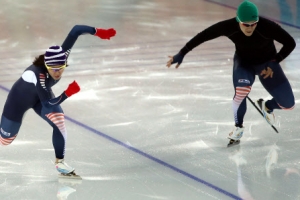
{"x": 105, "y": 34}
{"x": 175, "y": 59}
{"x": 73, "y": 88}
{"x": 267, "y": 73}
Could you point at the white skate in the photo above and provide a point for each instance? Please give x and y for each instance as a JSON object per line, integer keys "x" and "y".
{"x": 235, "y": 136}
{"x": 269, "y": 116}
{"x": 65, "y": 170}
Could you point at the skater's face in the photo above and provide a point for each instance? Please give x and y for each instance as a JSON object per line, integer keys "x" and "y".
{"x": 248, "y": 27}
{"x": 56, "y": 71}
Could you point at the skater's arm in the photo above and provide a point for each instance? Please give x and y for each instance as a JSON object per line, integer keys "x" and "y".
{"x": 223, "y": 28}
{"x": 78, "y": 30}
{"x": 73, "y": 88}
{"x": 42, "y": 87}
{"x": 287, "y": 41}
{"x": 43, "y": 83}
{"x": 47, "y": 97}
{"x": 75, "y": 32}
{"x": 54, "y": 101}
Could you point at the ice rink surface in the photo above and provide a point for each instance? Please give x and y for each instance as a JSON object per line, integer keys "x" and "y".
{"x": 138, "y": 130}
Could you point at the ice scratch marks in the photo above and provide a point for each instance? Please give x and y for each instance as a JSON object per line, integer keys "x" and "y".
{"x": 121, "y": 124}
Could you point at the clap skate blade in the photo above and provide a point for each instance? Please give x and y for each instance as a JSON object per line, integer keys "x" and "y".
{"x": 70, "y": 175}
{"x": 233, "y": 142}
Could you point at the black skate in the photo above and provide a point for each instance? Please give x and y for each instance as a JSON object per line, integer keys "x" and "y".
{"x": 233, "y": 142}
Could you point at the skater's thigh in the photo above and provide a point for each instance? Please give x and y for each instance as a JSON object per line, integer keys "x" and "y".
{"x": 276, "y": 80}
{"x": 11, "y": 119}
{"x": 242, "y": 74}
{"x": 278, "y": 86}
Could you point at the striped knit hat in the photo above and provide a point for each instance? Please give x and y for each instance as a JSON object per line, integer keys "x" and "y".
{"x": 55, "y": 55}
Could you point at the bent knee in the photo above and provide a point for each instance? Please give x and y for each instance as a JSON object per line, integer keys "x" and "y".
{"x": 287, "y": 107}
{"x": 5, "y": 138}
{"x": 6, "y": 141}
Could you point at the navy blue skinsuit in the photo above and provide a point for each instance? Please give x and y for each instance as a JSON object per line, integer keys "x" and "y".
{"x": 253, "y": 54}
{"x": 33, "y": 90}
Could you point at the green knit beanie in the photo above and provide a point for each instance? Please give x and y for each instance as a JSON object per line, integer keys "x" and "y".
{"x": 246, "y": 12}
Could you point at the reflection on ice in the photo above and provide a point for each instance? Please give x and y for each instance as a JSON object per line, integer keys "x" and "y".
{"x": 64, "y": 192}
{"x": 271, "y": 159}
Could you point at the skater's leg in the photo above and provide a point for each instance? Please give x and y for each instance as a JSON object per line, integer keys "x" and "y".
{"x": 59, "y": 136}
{"x": 243, "y": 78}
{"x": 55, "y": 118}
{"x": 279, "y": 88}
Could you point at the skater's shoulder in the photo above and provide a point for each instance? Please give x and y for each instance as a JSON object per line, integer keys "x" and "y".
{"x": 36, "y": 69}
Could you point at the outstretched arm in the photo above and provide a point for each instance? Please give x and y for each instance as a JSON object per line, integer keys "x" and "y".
{"x": 209, "y": 33}
{"x": 73, "y": 88}
{"x": 78, "y": 30}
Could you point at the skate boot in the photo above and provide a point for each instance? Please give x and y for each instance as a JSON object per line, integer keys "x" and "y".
{"x": 268, "y": 114}
{"x": 63, "y": 168}
{"x": 235, "y": 136}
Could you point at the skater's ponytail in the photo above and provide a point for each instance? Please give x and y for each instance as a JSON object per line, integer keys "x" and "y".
{"x": 39, "y": 61}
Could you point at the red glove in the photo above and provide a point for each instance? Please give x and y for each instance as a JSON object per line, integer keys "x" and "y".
{"x": 72, "y": 89}
{"x": 105, "y": 33}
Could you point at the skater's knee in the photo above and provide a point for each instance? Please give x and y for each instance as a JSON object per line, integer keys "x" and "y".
{"x": 240, "y": 94}
{"x": 289, "y": 106}
{"x": 6, "y": 138}
{"x": 242, "y": 91}
{"x": 57, "y": 121}
{"x": 3, "y": 143}
{"x": 56, "y": 118}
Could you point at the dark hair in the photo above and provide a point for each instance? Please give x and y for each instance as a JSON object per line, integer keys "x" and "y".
{"x": 39, "y": 61}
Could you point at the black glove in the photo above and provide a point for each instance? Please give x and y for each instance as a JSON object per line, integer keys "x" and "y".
{"x": 178, "y": 58}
